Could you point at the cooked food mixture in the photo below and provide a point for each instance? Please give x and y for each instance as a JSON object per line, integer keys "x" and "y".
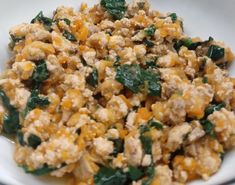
{"x": 117, "y": 94}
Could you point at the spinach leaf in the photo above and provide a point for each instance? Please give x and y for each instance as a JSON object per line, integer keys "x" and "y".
{"x": 215, "y": 52}
{"x": 116, "y": 8}
{"x": 67, "y": 21}
{"x": 174, "y": 17}
{"x": 150, "y": 174}
{"x": 15, "y": 40}
{"x": 117, "y": 61}
{"x": 148, "y": 43}
{"x": 135, "y": 173}
{"x": 208, "y": 128}
{"x": 152, "y": 81}
{"x": 34, "y": 101}
{"x": 40, "y": 74}
{"x": 145, "y": 139}
{"x": 187, "y": 42}
{"x": 155, "y": 124}
{"x": 34, "y": 141}
{"x": 141, "y": 5}
{"x": 212, "y": 108}
{"x": 205, "y": 80}
{"x": 20, "y": 138}
{"x": 130, "y": 76}
{"x": 118, "y": 146}
{"x": 109, "y": 176}
{"x": 47, "y": 22}
{"x": 150, "y": 31}
{"x": 133, "y": 77}
{"x": 146, "y": 143}
{"x": 151, "y": 63}
{"x": 69, "y": 36}
{"x": 41, "y": 171}
{"x": 93, "y": 78}
{"x": 11, "y": 121}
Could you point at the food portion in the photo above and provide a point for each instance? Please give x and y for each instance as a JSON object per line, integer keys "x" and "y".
{"x": 117, "y": 94}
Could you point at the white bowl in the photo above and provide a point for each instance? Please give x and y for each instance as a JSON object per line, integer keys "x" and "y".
{"x": 202, "y": 18}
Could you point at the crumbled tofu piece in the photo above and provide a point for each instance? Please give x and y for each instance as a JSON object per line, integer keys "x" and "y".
{"x": 24, "y": 69}
{"x": 133, "y": 150}
{"x": 163, "y": 175}
{"x": 224, "y": 122}
{"x": 103, "y": 147}
{"x": 176, "y": 136}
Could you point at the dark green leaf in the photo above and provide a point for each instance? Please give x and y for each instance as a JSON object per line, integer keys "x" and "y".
{"x": 152, "y": 81}
{"x": 151, "y": 63}
{"x": 205, "y": 80}
{"x": 133, "y": 77}
{"x": 135, "y": 173}
{"x": 11, "y": 121}
{"x": 117, "y": 61}
{"x": 15, "y": 40}
{"x": 215, "y": 52}
{"x": 67, "y": 21}
{"x": 150, "y": 31}
{"x": 130, "y": 76}
{"x": 208, "y": 128}
{"x": 47, "y": 22}
{"x": 222, "y": 155}
{"x": 187, "y": 42}
{"x": 40, "y": 74}
{"x": 78, "y": 131}
{"x": 146, "y": 143}
{"x": 34, "y": 141}
{"x": 212, "y": 108}
{"x": 109, "y": 176}
{"x": 93, "y": 78}
{"x": 150, "y": 174}
{"x": 143, "y": 129}
{"x": 20, "y": 138}
{"x": 116, "y": 8}
{"x": 155, "y": 124}
{"x": 148, "y": 43}
{"x": 41, "y": 171}
{"x": 141, "y": 5}
{"x": 174, "y": 17}
{"x": 69, "y": 36}
{"x": 34, "y": 101}
{"x": 118, "y": 146}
